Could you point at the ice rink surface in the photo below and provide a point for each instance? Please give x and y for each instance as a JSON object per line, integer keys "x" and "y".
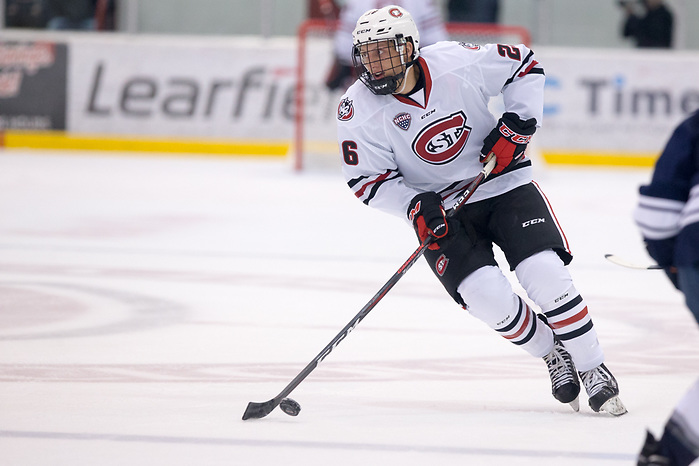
{"x": 144, "y": 301}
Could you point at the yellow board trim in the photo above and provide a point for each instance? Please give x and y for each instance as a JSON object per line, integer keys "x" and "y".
{"x": 635, "y": 159}
{"x": 62, "y": 140}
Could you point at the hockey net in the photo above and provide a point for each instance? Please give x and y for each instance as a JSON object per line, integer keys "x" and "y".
{"x": 315, "y": 138}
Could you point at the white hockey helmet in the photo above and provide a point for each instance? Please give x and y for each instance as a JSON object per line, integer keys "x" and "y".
{"x": 391, "y": 23}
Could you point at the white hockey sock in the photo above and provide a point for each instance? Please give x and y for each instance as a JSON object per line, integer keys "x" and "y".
{"x": 489, "y": 297}
{"x": 568, "y": 317}
{"x": 549, "y": 284}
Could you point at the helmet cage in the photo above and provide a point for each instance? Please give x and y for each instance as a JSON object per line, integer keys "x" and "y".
{"x": 388, "y": 83}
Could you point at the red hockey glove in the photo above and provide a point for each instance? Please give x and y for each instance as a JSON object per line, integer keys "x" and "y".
{"x": 508, "y": 140}
{"x": 428, "y": 217}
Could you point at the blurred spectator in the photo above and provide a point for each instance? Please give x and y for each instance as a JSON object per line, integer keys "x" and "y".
{"x": 473, "y": 11}
{"x": 105, "y": 15}
{"x": 650, "y": 29}
{"x": 323, "y": 9}
{"x": 71, "y": 14}
{"x": 25, "y": 14}
{"x": 426, "y": 14}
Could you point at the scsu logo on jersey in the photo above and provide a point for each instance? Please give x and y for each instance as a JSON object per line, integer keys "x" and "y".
{"x": 441, "y": 265}
{"x": 469, "y": 46}
{"x": 443, "y": 140}
{"x": 345, "y": 111}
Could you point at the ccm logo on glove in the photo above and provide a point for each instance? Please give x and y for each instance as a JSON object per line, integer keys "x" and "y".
{"x": 514, "y": 137}
{"x": 428, "y": 217}
{"x": 508, "y": 141}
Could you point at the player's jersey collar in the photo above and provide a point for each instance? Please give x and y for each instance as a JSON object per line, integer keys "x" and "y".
{"x": 426, "y": 91}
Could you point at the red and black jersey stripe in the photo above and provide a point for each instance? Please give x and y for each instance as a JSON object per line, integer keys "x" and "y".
{"x": 366, "y": 187}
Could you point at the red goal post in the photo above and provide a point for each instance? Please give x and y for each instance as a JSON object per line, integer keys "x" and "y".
{"x": 314, "y": 139}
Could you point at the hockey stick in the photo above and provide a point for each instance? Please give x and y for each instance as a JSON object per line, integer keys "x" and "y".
{"x": 260, "y": 410}
{"x": 631, "y": 265}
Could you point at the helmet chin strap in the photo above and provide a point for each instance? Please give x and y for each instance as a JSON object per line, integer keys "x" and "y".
{"x": 405, "y": 80}
{"x": 401, "y": 50}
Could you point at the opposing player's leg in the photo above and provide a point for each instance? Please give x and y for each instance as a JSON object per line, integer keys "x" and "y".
{"x": 679, "y": 444}
{"x": 688, "y": 278}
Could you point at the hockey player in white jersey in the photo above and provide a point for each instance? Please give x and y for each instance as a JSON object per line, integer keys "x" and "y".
{"x": 414, "y": 130}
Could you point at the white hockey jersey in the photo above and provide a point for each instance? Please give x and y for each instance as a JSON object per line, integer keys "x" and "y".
{"x": 394, "y": 147}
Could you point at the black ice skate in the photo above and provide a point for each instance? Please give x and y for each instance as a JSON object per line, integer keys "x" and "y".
{"x": 565, "y": 385}
{"x": 603, "y": 391}
{"x": 649, "y": 455}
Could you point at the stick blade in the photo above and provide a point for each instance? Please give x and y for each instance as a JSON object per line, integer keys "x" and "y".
{"x": 259, "y": 410}
{"x": 631, "y": 265}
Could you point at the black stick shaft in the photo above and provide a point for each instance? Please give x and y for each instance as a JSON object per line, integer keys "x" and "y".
{"x": 259, "y": 410}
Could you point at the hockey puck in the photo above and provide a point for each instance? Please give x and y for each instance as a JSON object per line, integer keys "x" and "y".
{"x": 290, "y": 407}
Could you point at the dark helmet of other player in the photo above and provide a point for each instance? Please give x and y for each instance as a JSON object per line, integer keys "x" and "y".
{"x": 390, "y": 26}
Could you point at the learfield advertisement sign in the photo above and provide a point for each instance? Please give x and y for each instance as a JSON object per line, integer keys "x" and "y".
{"x": 233, "y": 89}
{"x": 32, "y": 85}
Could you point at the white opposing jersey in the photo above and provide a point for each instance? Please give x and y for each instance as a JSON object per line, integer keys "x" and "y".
{"x": 426, "y": 14}
{"x": 394, "y": 147}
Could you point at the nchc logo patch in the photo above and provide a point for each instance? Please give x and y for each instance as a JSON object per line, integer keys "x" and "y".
{"x": 402, "y": 120}
{"x": 345, "y": 111}
{"x": 441, "y": 265}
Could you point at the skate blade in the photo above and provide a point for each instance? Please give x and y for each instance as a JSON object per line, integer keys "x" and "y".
{"x": 613, "y": 406}
{"x": 575, "y": 404}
